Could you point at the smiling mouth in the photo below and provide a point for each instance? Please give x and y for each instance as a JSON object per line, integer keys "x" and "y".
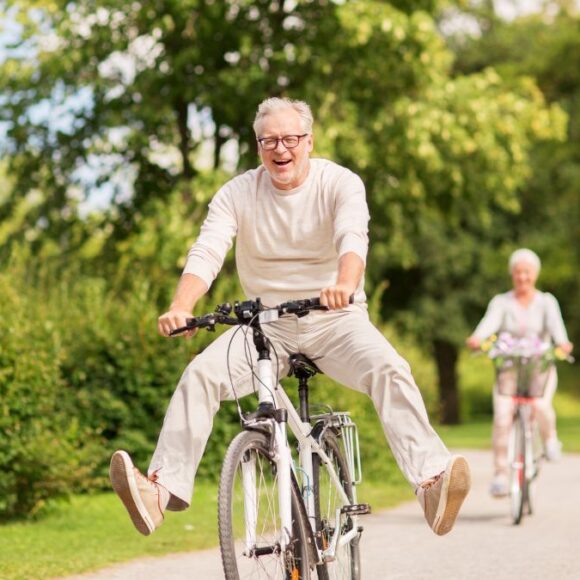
{"x": 282, "y": 162}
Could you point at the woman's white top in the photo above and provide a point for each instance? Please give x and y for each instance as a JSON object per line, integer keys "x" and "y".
{"x": 541, "y": 317}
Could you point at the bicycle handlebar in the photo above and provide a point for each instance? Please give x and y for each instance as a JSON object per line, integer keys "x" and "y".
{"x": 245, "y": 312}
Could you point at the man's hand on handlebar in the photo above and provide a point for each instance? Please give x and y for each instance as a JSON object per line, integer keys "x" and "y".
{"x": 336, "y": 297}
{"x": 172, "y": 320}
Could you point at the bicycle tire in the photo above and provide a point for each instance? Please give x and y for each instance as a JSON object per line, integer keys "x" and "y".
{"x": 517, "y": 462}
{"x": 254, "y": 446}
{"x": 536, "y": 455}
{"x": 347, "y": 565}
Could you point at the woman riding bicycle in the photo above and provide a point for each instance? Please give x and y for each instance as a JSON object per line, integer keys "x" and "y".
{"x": 527, "y": 312}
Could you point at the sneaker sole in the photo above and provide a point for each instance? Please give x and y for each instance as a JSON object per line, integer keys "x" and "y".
{"x": 456, "y": 484}
{"x": 123, "y": 481}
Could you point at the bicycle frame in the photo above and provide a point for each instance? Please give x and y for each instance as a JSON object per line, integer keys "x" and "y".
{"x": 524, "y": 407}
{"x": 307, "y": 446}
{"x": 285, "y": 469}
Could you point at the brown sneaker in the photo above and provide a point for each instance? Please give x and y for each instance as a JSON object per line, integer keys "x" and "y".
{"x": 442, "y": 496}
{"x": 144, "y": 499}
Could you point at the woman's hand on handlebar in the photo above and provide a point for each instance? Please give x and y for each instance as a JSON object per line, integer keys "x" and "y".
{"x": 172, "y": 320}
{"x": 566, "y": 347}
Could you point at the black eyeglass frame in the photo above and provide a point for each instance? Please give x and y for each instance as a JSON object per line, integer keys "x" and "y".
{"x": 278, "y": 139}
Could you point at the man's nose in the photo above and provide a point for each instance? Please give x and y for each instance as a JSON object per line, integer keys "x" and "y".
{"x": 280, "y": 147}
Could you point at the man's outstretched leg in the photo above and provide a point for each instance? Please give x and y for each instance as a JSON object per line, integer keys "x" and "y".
{"x": 186, "y": 429}
{"x": 355, "y": 353}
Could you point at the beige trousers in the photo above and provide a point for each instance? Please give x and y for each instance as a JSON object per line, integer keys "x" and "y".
{"x": 347, "y": 347}
{"x": 503, "y": 412}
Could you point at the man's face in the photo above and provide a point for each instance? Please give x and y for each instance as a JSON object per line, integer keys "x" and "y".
{"x": 288, "y": 168}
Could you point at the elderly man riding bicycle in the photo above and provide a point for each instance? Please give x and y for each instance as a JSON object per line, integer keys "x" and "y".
{"x": 301, "y": 225}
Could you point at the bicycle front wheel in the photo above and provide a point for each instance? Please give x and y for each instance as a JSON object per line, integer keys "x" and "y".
{"x": 346, "y": 565}
{"x": 517, "y": 463}
{"x": 249, "y": 523}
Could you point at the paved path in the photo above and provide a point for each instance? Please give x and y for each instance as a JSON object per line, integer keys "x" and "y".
{"x": 397, "y": 544}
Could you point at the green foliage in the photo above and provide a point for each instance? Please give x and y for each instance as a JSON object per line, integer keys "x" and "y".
{"x": 466, "y": 157}
{"x": 96, "y": 376}
{"x": 127, "y": 85}
{"x": 545, "y": 48}
{"x": 446, "y": 162}
{"x": 44, "y": 452}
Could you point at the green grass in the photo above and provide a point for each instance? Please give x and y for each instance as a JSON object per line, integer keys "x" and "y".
{"x": 92, "y": 531}
{"x": 473, "y": 435}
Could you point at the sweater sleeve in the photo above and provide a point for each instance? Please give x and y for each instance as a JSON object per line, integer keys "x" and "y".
{"x": 207, "y": 255}
{"x": 492, "y": 321}
{"x": 554, "y": 321}
{"x": 351, "y": 216}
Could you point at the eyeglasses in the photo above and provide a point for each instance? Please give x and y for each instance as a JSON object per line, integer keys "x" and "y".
{"x": 289, "y": 141}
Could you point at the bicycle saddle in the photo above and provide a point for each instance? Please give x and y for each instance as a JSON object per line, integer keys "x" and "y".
{"x": 302, "y": 367}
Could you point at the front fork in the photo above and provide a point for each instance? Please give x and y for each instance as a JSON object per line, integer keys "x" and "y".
{"x": 531, "y": 460}
{"x": 525, "y": 415}
{"x": 281, "y": 452}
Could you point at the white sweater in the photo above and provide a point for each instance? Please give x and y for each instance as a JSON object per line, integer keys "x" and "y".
{"x": 288, "y": 242}
{"x": 542, "y": 318}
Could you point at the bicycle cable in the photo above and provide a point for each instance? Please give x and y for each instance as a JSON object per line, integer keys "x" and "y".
{"x": 245, "y": 328}
{"x": 237, "y": 399}
{"x": 249, "y": 354}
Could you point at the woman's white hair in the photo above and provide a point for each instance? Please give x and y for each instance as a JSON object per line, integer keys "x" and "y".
{"x": 527, "y": 256}
{"x": 268, "y": 106}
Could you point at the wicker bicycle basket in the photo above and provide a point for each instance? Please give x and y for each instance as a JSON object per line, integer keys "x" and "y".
{"x": 525, "y": 377}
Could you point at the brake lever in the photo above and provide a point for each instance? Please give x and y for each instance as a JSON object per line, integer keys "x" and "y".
{"x": 191, "y": 324}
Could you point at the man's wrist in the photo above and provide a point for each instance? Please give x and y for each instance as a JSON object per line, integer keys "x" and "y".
{"x": 347, "y": 286}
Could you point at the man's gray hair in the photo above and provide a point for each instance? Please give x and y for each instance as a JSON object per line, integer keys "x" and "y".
{"x": 527, "y": 256}
{"x": 272, "y": 104}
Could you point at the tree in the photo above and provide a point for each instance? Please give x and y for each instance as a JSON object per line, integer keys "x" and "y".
{"x": 119, "y": 89}
{"x": 545, "y": 47}
{"x": 445, "y": 161}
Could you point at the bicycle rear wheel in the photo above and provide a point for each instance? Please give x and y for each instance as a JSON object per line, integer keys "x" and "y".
{"x": 249, "y": 523}
{"x": 346, "y": 565}
{"x": 517, "y": 463}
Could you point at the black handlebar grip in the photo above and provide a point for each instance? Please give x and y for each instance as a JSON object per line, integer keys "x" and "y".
{"x": 316, "y": 301}
{"x": 190, "y": 324}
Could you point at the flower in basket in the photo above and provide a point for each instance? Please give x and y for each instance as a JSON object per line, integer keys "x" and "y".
{"x": 507, "y": 347}
{"x": 488, "y": 343}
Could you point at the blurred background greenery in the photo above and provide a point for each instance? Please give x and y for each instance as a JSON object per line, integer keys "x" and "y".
{"x": 118, "y": 122}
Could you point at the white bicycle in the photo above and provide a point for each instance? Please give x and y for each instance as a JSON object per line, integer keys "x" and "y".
{"x": 281, "y": 517}
{"x": 523, "y": 376}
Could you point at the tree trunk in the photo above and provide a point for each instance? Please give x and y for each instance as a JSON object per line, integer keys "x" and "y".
{"x": 446, "y": 355}
{"x": 219, "y": 143}
{"x": 182, "y": 111}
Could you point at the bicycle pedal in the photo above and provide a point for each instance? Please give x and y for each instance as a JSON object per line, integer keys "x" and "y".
{"x": 356, "y": 509}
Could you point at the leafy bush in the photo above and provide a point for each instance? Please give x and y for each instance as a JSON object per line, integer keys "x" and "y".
{"x": 43, "y": 449}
